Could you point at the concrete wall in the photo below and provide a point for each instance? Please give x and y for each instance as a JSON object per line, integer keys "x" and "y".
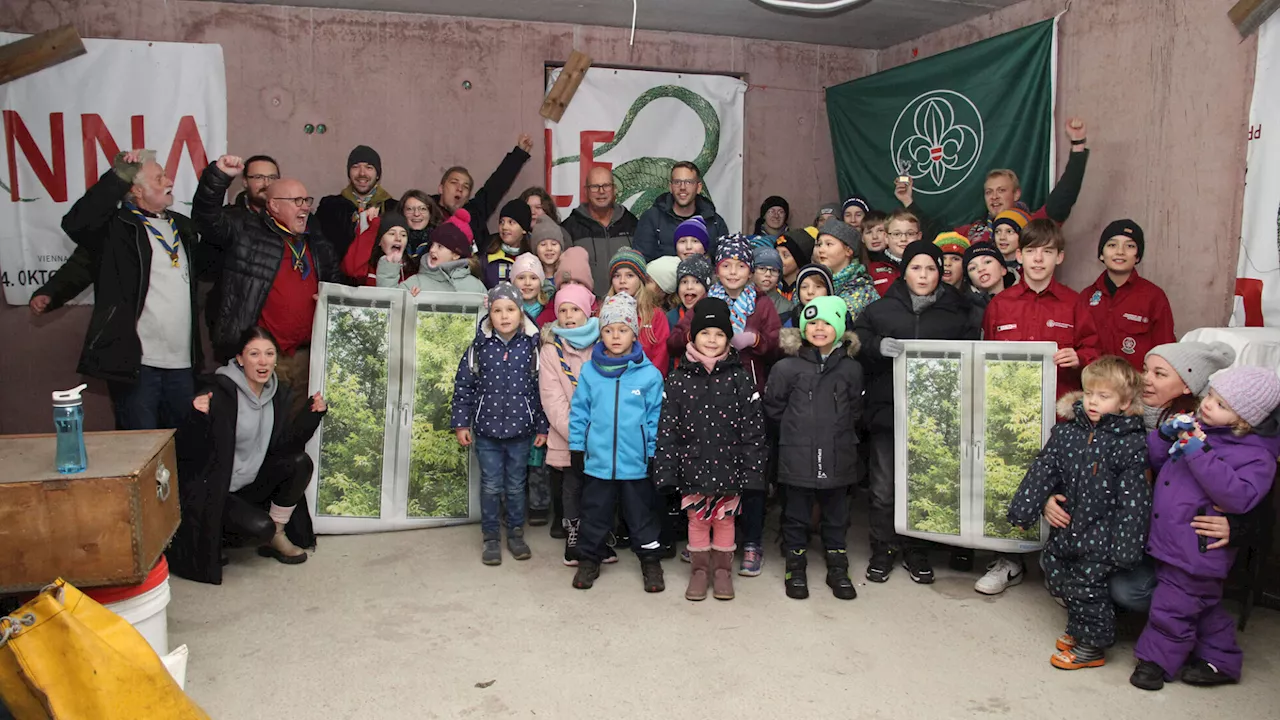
{"x": 1165, "y": 88}
{"x": 380, "y": 77}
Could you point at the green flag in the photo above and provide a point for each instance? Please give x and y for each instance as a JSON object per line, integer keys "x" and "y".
{"x": 946, "y": 121}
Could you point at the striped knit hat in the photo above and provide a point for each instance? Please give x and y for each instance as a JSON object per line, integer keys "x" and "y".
{"x": 952, "y": 243}
{"x": 1015, "y": 218}
{"x": 629, "y": 258}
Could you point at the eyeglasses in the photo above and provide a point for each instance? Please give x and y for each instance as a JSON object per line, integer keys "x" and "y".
{"x": 260, "y": 178}
{"x": 768, "y": 272}
{"x": 600, "y": 188}
{"x": 415, "y": 210}
{"x": 298, "y": 201}
{"x": 683, "y": 183}
{"x": 899, "y": 235}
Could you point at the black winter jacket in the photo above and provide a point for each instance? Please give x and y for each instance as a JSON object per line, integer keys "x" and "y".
{"x": 118, "y": 249}
{"x": 892, "y": 316}
{"x": 486, "y": 200}
{"x": 1102, "y": 472}
{"x": 711, "y": 433}
{"x": 74, "y": 277}
{"x": 334, "y": 214}
{"x": 600, "y": 242}
{"x": 817, "y": 408}
{"x": 249, "y": 248}
{"x": 206, "y": 456}
{"x": 655, "y": 232}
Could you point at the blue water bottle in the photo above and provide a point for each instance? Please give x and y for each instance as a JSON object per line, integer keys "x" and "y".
{"x": 68, "y": 420}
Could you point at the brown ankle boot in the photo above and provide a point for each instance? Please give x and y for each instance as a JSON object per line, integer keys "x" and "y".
{"x": 699, "y": 577}
{"x": 722, "y": 575}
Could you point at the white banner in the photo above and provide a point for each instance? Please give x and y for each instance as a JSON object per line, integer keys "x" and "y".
{"x": 64, "y": 124}
{"x": 1257, "y": 294}
{"x": 640, "y": 123}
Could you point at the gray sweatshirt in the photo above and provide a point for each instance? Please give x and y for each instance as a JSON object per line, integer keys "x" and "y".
{"x": 255, "y": 418}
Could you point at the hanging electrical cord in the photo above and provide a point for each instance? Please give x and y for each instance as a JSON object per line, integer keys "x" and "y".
{"x": 815, "y": 7}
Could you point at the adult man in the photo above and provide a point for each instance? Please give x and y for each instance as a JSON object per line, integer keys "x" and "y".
{"x": 271, "y": 269}
{"x": 142, "y": 338}
{"x": 600, "y": 224}
{"x": 347, "y": 214}
{"x": 77, "y": 273}
{"x": 655, "y": 230}
{"x": 456, "y": 185}
{"x": 1002, "y": 191}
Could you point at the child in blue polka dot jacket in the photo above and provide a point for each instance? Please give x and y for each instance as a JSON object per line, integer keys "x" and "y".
{"x": 1097, "y": 461}
{"x": 497, "y": 407}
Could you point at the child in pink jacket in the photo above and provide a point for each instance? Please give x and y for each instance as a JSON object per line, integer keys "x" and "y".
{"x": 566, "y": 345}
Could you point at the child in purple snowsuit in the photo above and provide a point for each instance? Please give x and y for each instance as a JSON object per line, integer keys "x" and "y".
{"x": 1224, "y": 456}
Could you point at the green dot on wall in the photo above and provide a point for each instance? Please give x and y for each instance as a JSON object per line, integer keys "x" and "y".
{"x": 322, "y": 128}
{"x": 308, "y": 128}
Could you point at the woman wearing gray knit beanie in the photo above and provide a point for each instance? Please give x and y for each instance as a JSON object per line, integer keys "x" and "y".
{"x": 1175, "y": 375}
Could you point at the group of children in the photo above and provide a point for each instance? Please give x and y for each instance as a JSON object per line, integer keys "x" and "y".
{"x": 734, "y": 362}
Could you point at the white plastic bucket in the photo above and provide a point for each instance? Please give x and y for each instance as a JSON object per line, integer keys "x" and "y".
{"x": 148, "y": 614}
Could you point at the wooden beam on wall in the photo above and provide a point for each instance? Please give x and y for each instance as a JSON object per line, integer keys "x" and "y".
{"x": 33, "y": 54}
{"x": 1248, "y": 15}
{"x": 557, "y": 101}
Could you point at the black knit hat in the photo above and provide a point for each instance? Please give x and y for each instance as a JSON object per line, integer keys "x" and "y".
{"x": 980, "y": 249}
{"x": 774, "y": 201}
{"x": 392, "y": 219}
{"x": 710, "y": 312}
{"x": 816, "y": 270}
{"x": 921, "y": 247}
{"x": 1126, "y": 228}
{"x": 518, "y": 210}
{"x": 365, "y": 154}
{"x": 799, "y": 243}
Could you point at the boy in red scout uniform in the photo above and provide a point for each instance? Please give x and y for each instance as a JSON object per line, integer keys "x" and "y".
{"x": 1040, "y": 308}
{"x": 1127, "y": 314}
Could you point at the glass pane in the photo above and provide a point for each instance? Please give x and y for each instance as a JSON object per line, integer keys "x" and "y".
{"x": 1014, "y": 419}
{"x": 933, "y": 443}
{"x": 438, "y": 466}
{"x": 355, "y": 386}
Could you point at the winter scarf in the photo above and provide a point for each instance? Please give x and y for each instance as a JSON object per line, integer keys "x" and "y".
{"x": 378, "y": 197}
{"x": 579, "y": 337}
{"x": 920, "y": 303}
{"x": 708, "y": 361}
{"x": 533, "y": 308}
{"x": 612, "y": 367}
{"x": 255, "y": 418}
{"x": 740, "y": 308}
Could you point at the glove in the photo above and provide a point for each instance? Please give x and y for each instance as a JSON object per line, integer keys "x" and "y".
{"x": 1176, "y": 425}
{"x": 577, "y": 461}
{"x": 743, "y": 340}
{"x": 891, "y": 347}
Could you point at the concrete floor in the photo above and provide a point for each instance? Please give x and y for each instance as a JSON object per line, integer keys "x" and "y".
{"x": 411, "y": 625}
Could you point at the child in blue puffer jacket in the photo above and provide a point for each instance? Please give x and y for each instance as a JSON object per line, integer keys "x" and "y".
{"x": 496, "y": 406}
{"x": 613, "y": 431}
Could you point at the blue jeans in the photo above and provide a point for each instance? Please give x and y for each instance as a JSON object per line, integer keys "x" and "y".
{"x": 160, "y": 399}
{"x": 1132, "y": 589}
{"x": 503, "y": 466}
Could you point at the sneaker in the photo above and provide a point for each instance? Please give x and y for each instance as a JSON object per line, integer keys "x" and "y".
{"x": 516, "y": 545}
{"x": 685, "y": 556}
{"x": 1203, "y": 673}
{"x": 1064, "y": 642}
{"x": 1078, "y": 657}
{"x": 961, "y": 560}
{"x": 917, "y": 563}
{"x": 651, "y": 572}
{"x": 588, "y": 571}
{"x": 492, "y": 554}
{"x": 1148, "y": 676}
{"x": 571, "y": 543}
{"x": 880, "y": 565}
{"x": 752, "y": 561}
{"x": 608, "y": 557}
{"x": 796, "y": 579}
{"x": 1001, "y": 574}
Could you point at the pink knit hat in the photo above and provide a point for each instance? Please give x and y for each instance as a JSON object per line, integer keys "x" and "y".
{"x": 1252, "y": 392}
{"x": 527, "y": 262}
{"x": 575, "y": 265}
{"x": 575, "y": 294}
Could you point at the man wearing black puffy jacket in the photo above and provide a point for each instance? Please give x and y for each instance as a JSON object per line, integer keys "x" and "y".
{"x": 917, "y": 306}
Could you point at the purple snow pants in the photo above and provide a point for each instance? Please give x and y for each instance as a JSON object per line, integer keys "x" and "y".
{"x": 1188, "y": 621}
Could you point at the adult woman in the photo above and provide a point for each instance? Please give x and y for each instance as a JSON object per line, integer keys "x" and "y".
{"x": 916, "y": 306}
{"x": 422, "y": 214}
{"x": 542, "y": 205}
{"x": 243, "y": 466}
{"x": 1175, "y": 375}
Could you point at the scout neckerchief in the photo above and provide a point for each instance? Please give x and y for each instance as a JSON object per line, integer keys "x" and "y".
{"x": 378, "y": 197}
{"x": 172, "y": 250}
{"x": 297, "y": 248}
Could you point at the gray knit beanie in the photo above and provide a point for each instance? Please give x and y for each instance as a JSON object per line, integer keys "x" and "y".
{"x": 842, "y": 231}
{"x": 1196, "y": 361}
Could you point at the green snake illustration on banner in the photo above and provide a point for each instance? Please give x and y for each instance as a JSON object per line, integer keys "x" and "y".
{"x": 640, "y": 123}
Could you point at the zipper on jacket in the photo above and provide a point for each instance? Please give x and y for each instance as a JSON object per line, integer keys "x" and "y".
{"x": 1090, "y": 442}
{"x": 137, "y": 315}
{"x": 617, "y": 391}
{"x": 110, "y": 314}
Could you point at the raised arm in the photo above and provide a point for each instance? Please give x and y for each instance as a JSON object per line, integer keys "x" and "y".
{"x": 87, "y": 220}
{"x": 485, "y": 201}
{"x": 1067, "y": 190}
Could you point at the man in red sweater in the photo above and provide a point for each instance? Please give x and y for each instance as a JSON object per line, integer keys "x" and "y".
{"x": 1127, "y": 314}
{"x": 1040, "y": 308}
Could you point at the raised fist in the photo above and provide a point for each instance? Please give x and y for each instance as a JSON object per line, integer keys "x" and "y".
{"x": 232, "y": 165}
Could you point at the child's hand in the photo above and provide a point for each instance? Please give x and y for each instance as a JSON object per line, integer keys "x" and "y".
{"x": 414, "y": 291}
{"x": 464, "y": 436}
{"x": 370, "y": 213}
{"x": 1054, "y": 513}
{"x": 318, "y": 404}
{"x": 396, "y": 256}
{"x": 540, "y": 441}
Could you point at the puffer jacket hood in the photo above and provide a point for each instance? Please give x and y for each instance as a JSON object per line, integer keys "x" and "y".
{"x": 791, "y": 342}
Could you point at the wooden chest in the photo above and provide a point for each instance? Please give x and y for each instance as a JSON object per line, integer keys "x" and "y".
{"x": 105, "y": 526}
